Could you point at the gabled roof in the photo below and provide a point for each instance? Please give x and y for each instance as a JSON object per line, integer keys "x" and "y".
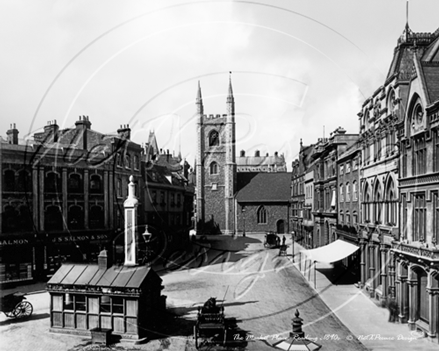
{"x": 92, "y": 275}
{"x": 430, "y": 74}
{"x": 263, "y": 187}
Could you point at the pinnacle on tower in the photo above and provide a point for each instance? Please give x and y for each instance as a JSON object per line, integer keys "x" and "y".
{"x": 199, "y": 101}
{"x": 230, "y": 94}
{"x": 199, "y": 93}
{"x": 230, "y": 98}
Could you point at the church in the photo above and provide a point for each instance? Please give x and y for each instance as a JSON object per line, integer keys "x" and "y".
{"x": 236, "y": 195}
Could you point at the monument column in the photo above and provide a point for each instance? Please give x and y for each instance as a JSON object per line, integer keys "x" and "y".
{"x": 130, "y": 212}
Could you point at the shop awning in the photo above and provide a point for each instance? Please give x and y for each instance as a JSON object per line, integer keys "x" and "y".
{"x": 333, "y": 252}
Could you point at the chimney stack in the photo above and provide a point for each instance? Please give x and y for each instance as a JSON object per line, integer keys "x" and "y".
{"x": 83, "y": 123}
{"x": 124, "y": 132}
{"x": 12, "y": 134}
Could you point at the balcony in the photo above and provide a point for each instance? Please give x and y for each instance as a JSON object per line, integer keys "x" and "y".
{"x": 410, "y": 249}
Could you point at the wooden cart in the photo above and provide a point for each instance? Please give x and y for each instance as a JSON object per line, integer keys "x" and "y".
{"x": 210, "y": 327}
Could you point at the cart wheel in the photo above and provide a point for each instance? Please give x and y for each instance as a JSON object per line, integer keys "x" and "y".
{"x": 23, "y": 309}
{"x": 10, "y": 314}
{"x": 195, "y": 336}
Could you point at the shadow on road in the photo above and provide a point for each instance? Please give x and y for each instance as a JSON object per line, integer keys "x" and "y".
{"x": 33, "y": 317}
{"x": 182, "y": 311}
{"x": 212, "y": 250}
{"x": 338, "y": 276}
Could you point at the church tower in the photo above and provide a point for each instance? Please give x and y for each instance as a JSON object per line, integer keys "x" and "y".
{"x": 216, "y": 168}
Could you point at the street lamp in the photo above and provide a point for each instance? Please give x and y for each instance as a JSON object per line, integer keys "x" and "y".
{"x": 243, "y": 211}
{"x": 293, "y": 246}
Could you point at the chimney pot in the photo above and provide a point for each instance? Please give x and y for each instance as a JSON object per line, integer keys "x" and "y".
{"x": 104, "y": 261}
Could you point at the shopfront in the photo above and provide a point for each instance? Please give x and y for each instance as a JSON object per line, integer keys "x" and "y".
{"x": 17, "y": 258}
{"x": 73, "y": 247}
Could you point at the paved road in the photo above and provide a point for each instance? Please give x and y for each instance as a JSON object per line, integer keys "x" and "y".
{"x": 261, "y": 292}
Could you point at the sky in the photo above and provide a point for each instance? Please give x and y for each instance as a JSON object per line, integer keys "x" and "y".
{"x": 300, "y": 69}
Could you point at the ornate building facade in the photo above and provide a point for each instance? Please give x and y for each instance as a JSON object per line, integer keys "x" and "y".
{"x": 62, "y": 196}
{"x": 416, "y": 249}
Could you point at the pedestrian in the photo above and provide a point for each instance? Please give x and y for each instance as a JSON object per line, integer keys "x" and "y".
{"x": 393, "y": 308}
{"x": 284, "y": 240}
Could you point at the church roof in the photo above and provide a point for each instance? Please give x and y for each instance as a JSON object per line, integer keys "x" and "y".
{"x": 263, "y": 187}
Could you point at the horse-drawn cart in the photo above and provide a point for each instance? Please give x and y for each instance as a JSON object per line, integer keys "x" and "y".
{"x": 14, "y": 306}
{"x": 210, "y": 325}
{"x": 271, "y": 240}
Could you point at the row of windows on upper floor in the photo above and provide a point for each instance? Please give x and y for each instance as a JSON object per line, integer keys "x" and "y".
{"x": 350, "y": 190}
{"x": 128, "y": 163}
{"x": 160, "y": 198}
{"x": 22, "y": 182}
{"x": 21, "y": 219}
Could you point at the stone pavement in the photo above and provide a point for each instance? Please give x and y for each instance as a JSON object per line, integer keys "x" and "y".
{"x": 360, "y": 314}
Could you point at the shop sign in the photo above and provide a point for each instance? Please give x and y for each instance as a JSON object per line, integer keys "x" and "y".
{"x": 10, "y": 242}
{"x": 71, "y": 238}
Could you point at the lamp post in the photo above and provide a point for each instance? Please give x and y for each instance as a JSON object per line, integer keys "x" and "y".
{"x": 296, "y": 339}
{"x": 243, "y": 212}
{"x": 148, "y": 251}
{"x": 293, "y": 246}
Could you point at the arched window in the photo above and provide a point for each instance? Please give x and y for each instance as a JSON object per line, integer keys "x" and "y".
{"x": 24, "y": 182}
{"x": 347, "y": 191}
{"x": 377, "y": 204}
{"x": 74, "y": 183}
{"x": 213, "y": 138}
{"x": 341, "y": 192}
{"x": 127, "y": 161}
{"x": 213, "y": 168}
{"x": 367, "y": 204}
{"x": 95, "y": 184}
{"x": 96, "y": 216}
{"x": 9, "y": 219}
{"x": 53, "y": 219}
{"x": 25, "y": 220}
{"x": 391, "y": 203}
{"x": 52, "y": 182}
{"x": 355, "y": 191}
{"x": 347, "y": 217}
{"x": 118, "y": 160}
{"x": 261, "y": 215}
{"x": 9, "y": 180}
{"x": 75, "y": 219}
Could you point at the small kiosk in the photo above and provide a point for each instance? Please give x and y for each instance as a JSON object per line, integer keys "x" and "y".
{"x": 99, "y": 299}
